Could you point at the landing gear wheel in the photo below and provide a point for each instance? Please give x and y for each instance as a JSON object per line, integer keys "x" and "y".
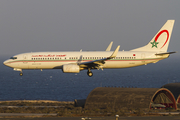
{"x": 21, "y": 74}
{"x": 89, "y": 73}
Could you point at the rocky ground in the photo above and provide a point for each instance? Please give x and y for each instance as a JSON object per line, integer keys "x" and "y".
{"x": 67, "y": 109}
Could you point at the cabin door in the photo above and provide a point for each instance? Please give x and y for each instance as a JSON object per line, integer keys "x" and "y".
{"x": 143, "y": 56}
{"x": 25, "y": 61}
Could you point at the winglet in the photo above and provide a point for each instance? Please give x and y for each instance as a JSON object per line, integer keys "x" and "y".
{"x": 115, "y": 52}
{"x": 109, "y": 47}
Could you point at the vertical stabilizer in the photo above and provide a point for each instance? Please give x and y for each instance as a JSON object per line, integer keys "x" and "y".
{"x": 160, "y": 41}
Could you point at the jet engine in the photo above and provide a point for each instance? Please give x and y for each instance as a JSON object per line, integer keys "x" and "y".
{"x": 71, "y": 68}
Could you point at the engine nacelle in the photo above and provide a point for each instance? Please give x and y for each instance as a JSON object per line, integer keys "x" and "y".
{"x": 71, "y": 68}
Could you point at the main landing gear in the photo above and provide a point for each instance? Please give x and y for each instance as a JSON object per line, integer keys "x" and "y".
{"x": 89, "y": 73}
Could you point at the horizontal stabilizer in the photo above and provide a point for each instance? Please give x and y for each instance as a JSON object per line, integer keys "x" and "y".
{"x": 165, "y": 53}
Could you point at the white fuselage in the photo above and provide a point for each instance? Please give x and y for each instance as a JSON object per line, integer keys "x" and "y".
{"x": 55, "y": 60}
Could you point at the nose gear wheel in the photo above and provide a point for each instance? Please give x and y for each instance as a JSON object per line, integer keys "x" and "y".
{"x": 21, "y": 74}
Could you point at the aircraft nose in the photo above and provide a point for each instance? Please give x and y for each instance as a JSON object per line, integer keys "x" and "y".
{"x": 5, "y": 62}
{"x": 8, "y": 63}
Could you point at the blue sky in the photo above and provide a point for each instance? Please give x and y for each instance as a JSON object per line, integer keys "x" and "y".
{"x": 71, "y": 25}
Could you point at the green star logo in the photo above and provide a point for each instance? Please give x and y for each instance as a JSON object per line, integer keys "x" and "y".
{"x": 154, "y": 44}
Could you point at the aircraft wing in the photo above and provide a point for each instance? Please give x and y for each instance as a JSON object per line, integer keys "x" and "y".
{"x": 99, "y": 62}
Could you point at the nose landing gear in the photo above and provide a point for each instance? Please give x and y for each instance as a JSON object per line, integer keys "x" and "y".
{"x": 21, "y": 73}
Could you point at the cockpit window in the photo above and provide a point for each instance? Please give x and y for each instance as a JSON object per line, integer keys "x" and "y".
{"x": 13, "y": 58}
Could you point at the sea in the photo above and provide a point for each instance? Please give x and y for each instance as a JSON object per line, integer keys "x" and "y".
{"x": 59, "y": 86}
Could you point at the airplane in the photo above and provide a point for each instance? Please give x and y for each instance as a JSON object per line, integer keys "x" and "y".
{"x": 74, "y": 62}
